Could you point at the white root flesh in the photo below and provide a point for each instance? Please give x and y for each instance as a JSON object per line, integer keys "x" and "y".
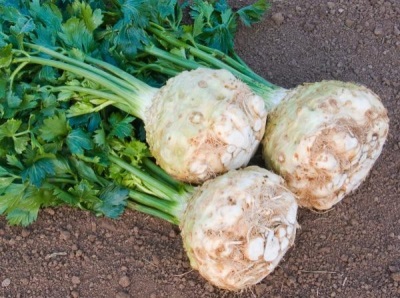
{"x": 246, "y": 225}
{"x": 324, "y": 138}
{"x": 203, "y": 123}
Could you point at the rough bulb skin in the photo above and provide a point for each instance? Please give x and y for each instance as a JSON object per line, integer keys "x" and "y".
{"x": 203, "y": 123}
{"x": 324, "y": 138}
{"x": 237, "y": 227}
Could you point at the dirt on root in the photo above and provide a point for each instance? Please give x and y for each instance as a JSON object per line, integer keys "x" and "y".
{"x": 350, "y": 251}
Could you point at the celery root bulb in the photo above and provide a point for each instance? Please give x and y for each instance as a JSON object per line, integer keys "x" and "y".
{"x": 324, "y": 138}
{"x": 203, "y": 123}
{"x": 237, "y": 227}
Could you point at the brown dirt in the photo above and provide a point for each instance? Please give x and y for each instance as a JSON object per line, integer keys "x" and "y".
{"x": 351, "y": 251}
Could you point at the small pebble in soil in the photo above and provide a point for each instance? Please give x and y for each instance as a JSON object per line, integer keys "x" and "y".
{"x": 25, "y": 233}
{"x": 75, "y": 280}
{"x": 6, "y": 282}
{"x": 395, "y": 276}
{"x": 378, "y": 31}
{"x": 209, "y": 287}
{"x": 349, "y": 23}
{"x": 65, "y": 235}
{"x": 278, "y": 18}
{"x": 396, "y": 30}
{"x": 124, "y": 281}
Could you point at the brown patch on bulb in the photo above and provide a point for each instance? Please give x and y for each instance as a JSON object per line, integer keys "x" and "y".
{"x": 202, "y": 84}
{"x": 196, "y": 117}
{"x": 320, "y": 178}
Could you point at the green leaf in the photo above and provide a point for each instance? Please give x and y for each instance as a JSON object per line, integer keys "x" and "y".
{"x": 253, "y": 13}
{"x": 85, "y": 194}
{"x": 21, "y": 143}
{"x": 113, "y": 201}
{"x": 9, "y": 128}
{"x": 80, "y": 108}
{"x": 27, "y": 208}
{"x": 38, "y": 171}
{"x": 66, "y": 197}
{"x": 48, "y": 15}
{"x": 6, "y": 182}
{"x": 76, "y": 35}
{"x": 23, "y": 25}
{"x": 3, "y": 172}
{"x": 84, "y": 171}
{"x": 198, "y": 25}
{"x": 54, "y": 128}
{"x": 13, "y": 100}
{"x": 22, "y": 217}
{"x": 61, "y": 166}
{"x": 121, "y": 126}
{"x": 78, "y": 141}
{"x": 12, "y": 160}
{"x": 136, "y": 151}
{"x": 92, "y": 19}
{"x": 5, "y": 56}
{"x": 11, "y": 198}
{"x": 48, "y": 74}
{"x": 100, "y": 138}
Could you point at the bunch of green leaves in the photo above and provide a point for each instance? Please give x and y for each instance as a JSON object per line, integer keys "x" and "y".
{"x": 48, "y": 159}
{"x": 215, "y": 23}
{"x": 124, "y": 39}
{"x": 49, "y": 154}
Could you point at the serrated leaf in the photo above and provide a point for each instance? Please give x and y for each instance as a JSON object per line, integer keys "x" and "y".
{"x": 13, "y": 100}
{"x": 75, "y": 34}
{"x": 25, "y": 210}
{"x": 130, "y": 40}
{"x": 90, "y": 121}
{"x": 9, "y": 128}
{"x": 38, "y": 171}
{"x": 21, "y": 143}
{"x": 48, "y": 14}
{"x": 253, "y": 13}
{"x": 66, "y": 197}
{"x": 47, "y": 74}
{"x": 84, "y": 171}
{"x": 100, "y": 138}
{"x": 121, "y": 126}
{"x": 5, "y": 56}
{"x": 113, "y": 201}
{"x": 92, "y": 19}
{"x": 80, "y": 108}
{"x": 61, "y": 166}
{"x": 10, "y": 198}
{"x": 78, "y": 141}
{"x": 85, "y": 194}
{"x": 136, "y": 151}
{"x": 12, "y": 160}
{"x": 23, "y": 25}
{"x": 3, "y": 172}
{"x": 6, "y": 182}
{"x": 198, "y": 25}
{"x": 55, "y": 127}
{"x": 22, "y": 217}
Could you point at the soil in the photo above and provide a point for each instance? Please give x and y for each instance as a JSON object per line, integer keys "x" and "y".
{"x": 351, "y": 251}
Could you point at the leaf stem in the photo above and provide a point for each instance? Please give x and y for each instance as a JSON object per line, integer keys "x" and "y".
{"x": 160, "y": 173}
{"x": 76, "y": 62}
{"x": 153, "y": 212}
{"x": 135, "y": 103}
{"x": 167, "y": 192}
{"x": 148, "y": 200}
